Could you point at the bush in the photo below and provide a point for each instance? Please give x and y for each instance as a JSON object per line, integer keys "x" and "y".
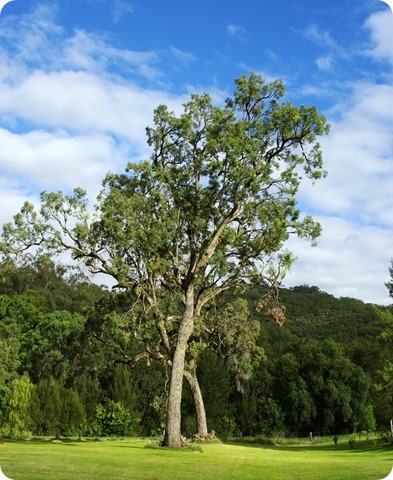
{"x": 113, "y": 420}
{"x": 225, "y": 426}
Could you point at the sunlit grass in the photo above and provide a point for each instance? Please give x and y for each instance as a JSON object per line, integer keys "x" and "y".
{"x": 130, "y": 460}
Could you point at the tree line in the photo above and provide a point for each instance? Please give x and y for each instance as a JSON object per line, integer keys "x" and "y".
{"x": 326, "y": 370}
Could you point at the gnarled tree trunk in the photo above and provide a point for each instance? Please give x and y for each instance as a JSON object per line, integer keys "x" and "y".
{"x": 173, "y": 420}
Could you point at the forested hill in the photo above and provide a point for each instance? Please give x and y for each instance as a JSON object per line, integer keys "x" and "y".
{"x": 314, "y": 314}
{"x": 67, "y": 345}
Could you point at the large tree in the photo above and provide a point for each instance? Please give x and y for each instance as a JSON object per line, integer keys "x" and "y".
{"x": 209, "y": 211}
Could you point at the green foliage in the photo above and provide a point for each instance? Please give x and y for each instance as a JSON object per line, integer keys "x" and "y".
{"x": 121, "y": 388}
{"x": 319, "y": 315}
{"x": 46, "y": 408}
{"x": 233, "y": 335}
{"x": 72, "y": 415}
{"x": 20, "y": 405}
{"x": 246, "y": 412}
{"x": 214, "y": 380}
{"x": 10, "y": 345}
{"x": 294, "y": 396}
{"x": 90, "y": 394}
{"x": 366, "y": 420}
{"x": 320, "y": 388}
{"x": 113, "y": 419}
{"x": 47, "y": 285}
{"x": 77, "y": 351}
{"x": 270, "y": 417}
{"x": 56, "y": 410}
{"x": 225, "y": 426}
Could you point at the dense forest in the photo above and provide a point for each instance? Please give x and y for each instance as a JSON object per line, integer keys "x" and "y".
{"x": 70, "y": 365}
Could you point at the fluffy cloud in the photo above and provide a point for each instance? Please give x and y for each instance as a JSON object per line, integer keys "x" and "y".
{"x": 77, "y": 100}
{"x": 67, "y": 112}
{"x": 380, "y": 26}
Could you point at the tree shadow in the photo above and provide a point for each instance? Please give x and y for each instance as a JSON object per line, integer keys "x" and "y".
{"x": 365, "y": 446}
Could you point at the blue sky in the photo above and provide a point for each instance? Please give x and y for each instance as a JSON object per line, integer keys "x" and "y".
{"x": 79, "y": 80}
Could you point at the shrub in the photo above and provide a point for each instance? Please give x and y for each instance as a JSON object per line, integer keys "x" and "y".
{"x": 225, "y": 426}
{"x": 113, "y": 419}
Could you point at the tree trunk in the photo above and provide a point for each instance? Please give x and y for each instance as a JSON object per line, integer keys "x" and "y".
{"x": 200, "y": 411}
{"x": 172, "y": 436}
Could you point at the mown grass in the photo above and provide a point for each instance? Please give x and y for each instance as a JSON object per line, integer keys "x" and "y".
{"x": 129, "y": 460}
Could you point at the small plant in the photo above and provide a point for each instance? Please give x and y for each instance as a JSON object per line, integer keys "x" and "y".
{"x": 352, "y": 441}
{"x": 335, "y": 439}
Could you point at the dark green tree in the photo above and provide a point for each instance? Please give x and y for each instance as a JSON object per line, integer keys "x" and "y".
{"x": 72, "y": 413}
{"x": 211, "y": 209}
{"x": 293, "y": 393}
{"x": 46, "y": 408}
{"x": 215, "y": 384}
{"x": 269, "y": 417}
{"x": 384, "y": 374}
{"x": 339, "y": 389}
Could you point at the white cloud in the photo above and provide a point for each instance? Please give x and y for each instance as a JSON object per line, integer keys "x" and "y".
{"x": 325, "y": 40}
{"x": 121, "y": 8}
{"x": 75, "y": 83}
{"x": 80, "y": 101}
{"x": 380, "y": 26}
{"x": 58, "y": 160}
{"x": 358, "y": 155}
{"x": 350, "y": 260}
{"x": 91, "y": 52}
{"x": 182, "y": 56}
{"x": 237, "y": 31}
{"x": 324, "y": 63}
{"x": 31, "y": 38}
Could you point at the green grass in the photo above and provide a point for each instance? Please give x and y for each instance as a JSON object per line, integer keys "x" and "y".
{"x": 130, "y": 460}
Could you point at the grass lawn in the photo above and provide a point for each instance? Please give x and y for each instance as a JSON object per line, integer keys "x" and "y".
{"x": 130, "y": 460}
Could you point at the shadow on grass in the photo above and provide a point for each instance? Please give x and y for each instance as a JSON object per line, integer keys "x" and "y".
{"x": 47, "y": 441}
{"x": 364, "y": 446}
